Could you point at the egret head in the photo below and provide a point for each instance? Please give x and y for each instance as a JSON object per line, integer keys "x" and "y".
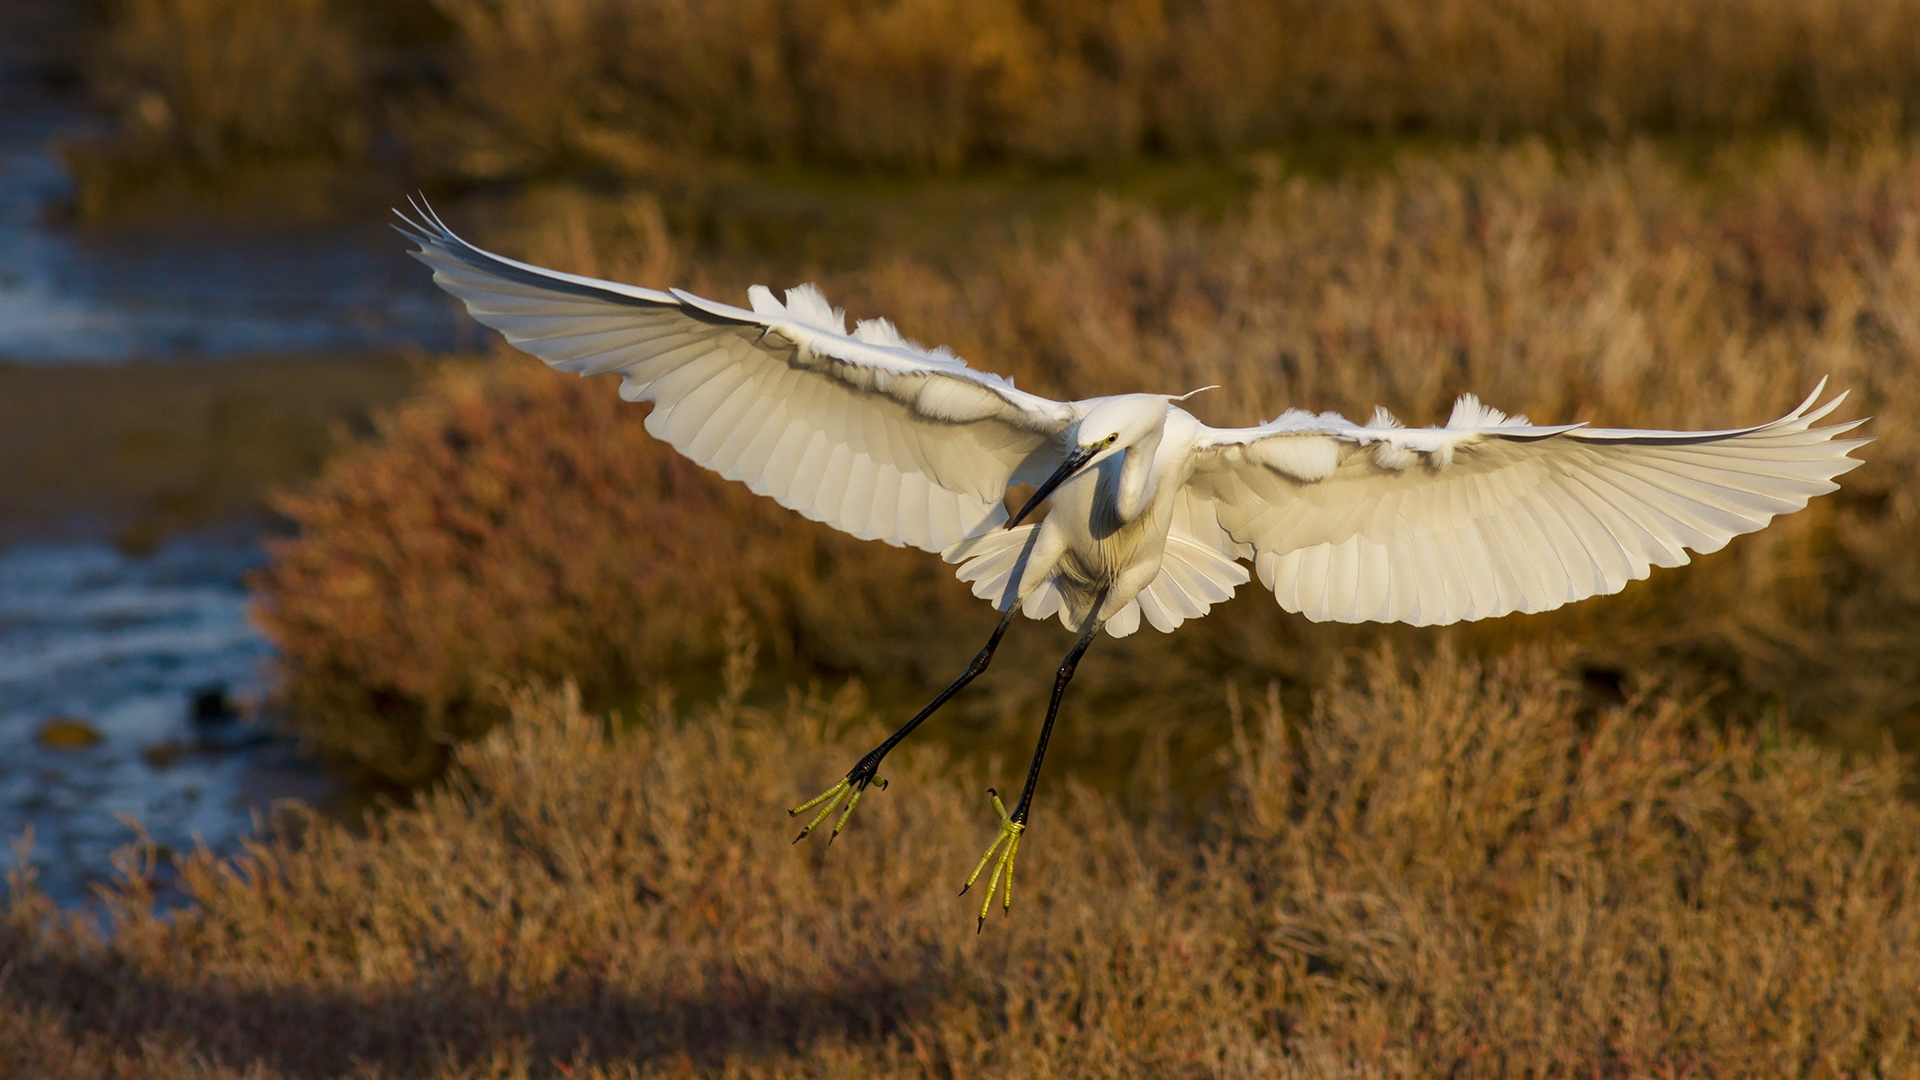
{"x": 1115, "y": 423}
{"x": 1112, "y": 426}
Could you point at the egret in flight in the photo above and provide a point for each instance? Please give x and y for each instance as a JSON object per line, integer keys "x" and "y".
{"x": 1154, "y": 514}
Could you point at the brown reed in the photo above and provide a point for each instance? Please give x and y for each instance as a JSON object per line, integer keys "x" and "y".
{"x": 204, "y": 89}
{"x": 1454, "y": 871}
{"x": 484, "y": 89}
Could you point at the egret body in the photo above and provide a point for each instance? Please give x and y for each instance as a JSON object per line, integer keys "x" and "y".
{"x": 1154, "y": 515}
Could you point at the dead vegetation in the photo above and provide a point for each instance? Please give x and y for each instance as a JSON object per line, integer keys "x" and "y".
{"x": 1456, "y": 871}
{"x": 462, "y": 90}
{"x": 204, "y": 89}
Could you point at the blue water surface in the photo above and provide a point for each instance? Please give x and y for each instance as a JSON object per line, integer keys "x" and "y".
{"x": 190, "y": 289}
{"x": 120, "y": 643}
{"x": 123, "y": 644}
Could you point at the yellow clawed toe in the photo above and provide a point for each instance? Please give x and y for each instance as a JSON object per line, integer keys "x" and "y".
{"x": 831, "y": 797}
{"x": 1009, "y": 836}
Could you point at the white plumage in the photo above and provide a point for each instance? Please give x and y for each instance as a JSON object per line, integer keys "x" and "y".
{"x": 1154, "y": 514}
{"x": 886, "y": 440}
{"x": 1491, "y": 515}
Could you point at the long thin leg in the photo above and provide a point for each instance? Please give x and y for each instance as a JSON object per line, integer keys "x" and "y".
{"x": 1060, "y": 680}
{"x": 867, "y": 768}
{"x": 1014, "y": 824}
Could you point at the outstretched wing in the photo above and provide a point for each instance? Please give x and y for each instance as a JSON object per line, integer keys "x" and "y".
{"x": 867, "y": 431}
{"x": 1489, "y": 514}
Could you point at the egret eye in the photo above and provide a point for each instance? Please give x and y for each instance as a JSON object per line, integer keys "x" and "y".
{"x": 1113, "y": 438}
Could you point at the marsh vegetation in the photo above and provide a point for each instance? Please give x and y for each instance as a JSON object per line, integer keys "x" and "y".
{"x": 1449, "y": 869}
{"x": 463, "y": 91}
{"x": 1662, "y": 833}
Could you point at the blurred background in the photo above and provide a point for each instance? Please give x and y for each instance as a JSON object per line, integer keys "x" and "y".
{"x": 375, "y": 702}
{"x": 277, "y": 522}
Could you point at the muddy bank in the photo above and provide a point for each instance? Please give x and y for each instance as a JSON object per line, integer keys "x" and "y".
{"x": 143, "y": 452}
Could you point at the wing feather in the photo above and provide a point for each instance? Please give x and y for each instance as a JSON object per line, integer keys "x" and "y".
{"x": 1432, "y": 605}
{"x": 1506, "y": 590}
{"x": 1558, "y": 552}
{"x": 885, "y": 518}
{"x": 1161, "y": 615}
{"x": 724, "y": 421}
{"x": 757, "y": 424}
{"x": 783, "y": 459}
{"x": 1490, "y": 515}
{"x": 865, "y": 431}
{"x": 857, "y": 509}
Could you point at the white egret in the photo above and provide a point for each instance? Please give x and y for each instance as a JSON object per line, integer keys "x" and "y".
{"x": 1154, "y": 513}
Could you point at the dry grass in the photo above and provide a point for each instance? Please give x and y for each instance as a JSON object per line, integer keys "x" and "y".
{"x": 1454, "y": 872}
{"x": 482, "y": 89}
{"x": 1617, "y": 290}
{"x": 936, "y": 84}
{"x": 203, "y": 88}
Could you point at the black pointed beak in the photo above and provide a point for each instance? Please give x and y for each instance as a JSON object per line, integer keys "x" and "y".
{"x": 1074, "y": 463}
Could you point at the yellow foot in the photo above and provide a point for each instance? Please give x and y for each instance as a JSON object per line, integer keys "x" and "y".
{"x": 1009, "y": 836}
{"x": 855, "y": 784}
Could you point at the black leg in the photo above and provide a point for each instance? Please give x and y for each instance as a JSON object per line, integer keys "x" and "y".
{"x": 1060, "y": 681}
{"x": 871, "y": 763}
{"x": 1007, "y": 841}
{"x": 868, "y": 767}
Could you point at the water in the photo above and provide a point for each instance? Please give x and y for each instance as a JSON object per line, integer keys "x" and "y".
{"x": 92, "y": 636}
{"x": 119, "y": 645}
{"x": 189, "y": 290}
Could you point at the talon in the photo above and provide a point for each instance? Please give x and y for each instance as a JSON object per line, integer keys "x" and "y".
{"x": 1007, "y": 844}
{"x": 848, "y": 812}
{"x": 831, "y": 797}
{"x": 855, "y": 785}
